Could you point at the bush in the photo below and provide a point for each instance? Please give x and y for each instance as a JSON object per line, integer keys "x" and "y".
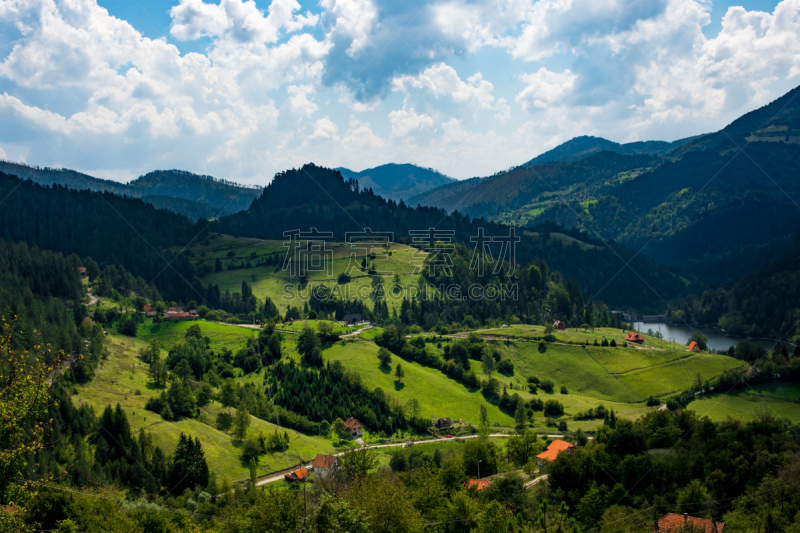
{"x": 563, "y": 389}
{"x": 547, "y": 386}
{"x": 343, "y": 278}
{"x": 613, "y": 343}
{"x": 553, "y": 408}
{"x": 652, "y": 401}
{"x": 505, "y": 367}
{"x": 251, "y": 449}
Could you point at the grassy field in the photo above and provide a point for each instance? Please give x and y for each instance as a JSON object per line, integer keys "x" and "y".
{"x": 117, "y": 380}
{"x": 284, "y": 289}
{"x": 678, "y": 375}
{"x": 571, "y": 366}
{"x": 438, "y": 395}
{"x": 171, "y": 333}
{"x": 577, "y": 336}
{"x": 744, "y": 406}
{"x": 297, "y": 326}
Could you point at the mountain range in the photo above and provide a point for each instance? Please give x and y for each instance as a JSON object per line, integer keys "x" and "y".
{"x": 398, "y": 181}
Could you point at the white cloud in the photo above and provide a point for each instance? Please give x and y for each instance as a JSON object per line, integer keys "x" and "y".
{"x": 237, "y": 20}
{"x": 324, "y": 130}
{"x": 405, "y": 121}
{"x": 545, "y": 88}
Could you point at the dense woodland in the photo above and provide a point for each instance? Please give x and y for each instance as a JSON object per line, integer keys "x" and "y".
{"x": 110, "y": 229}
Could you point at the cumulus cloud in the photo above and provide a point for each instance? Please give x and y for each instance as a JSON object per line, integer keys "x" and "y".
{"x": 366, "y": 82}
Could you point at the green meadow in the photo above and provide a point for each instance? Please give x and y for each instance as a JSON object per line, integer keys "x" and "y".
{"x": 122, "y": 378}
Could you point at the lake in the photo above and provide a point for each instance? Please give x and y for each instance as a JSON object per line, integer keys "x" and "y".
{"x": 680, "y": 334}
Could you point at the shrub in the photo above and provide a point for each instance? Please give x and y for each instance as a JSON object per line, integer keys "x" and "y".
{"x": 505, "y": 367}
{"x": 613, "y": 343}
{"x": 652, "y": 401}
{"x": 547, "y": 386}
{"x": 553, "y": 408}
{"x": 563, "y": 389}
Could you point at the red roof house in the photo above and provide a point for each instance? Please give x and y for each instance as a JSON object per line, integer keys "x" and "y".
{"x": 82, "y": 271}
{"x": 694, "y": 347}
{"x": 558, "y": 324}
{"x": 633, "y": 336}
{"x": 552, "y": 451}
{"x": 677, "y": 522}
{"x": 298, "y": 476}
{"x": 323, "y": 464}
{"x": 354, "y": 427}
{"x": 479, "y": 484}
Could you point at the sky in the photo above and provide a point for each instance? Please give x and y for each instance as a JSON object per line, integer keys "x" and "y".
{"x": 244, "y": 89}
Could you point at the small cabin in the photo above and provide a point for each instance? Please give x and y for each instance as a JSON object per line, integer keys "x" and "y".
{"x": 298, "y": 476}
{"x": 694, "y": 347}
{"x": 558, "y": 324}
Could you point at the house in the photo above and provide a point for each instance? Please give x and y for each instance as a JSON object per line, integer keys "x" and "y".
{"x": 175, "y": 310}
{"x": 694, "y": 347}
{"x": 633, "y": 336}
{"x": 298, "y": 476}
{"x": 180, "y": 317}
{"x": 442, "y": 423}
{"x": 558, "y": 324}
{"x": 552, "y": 451}
{"x": 323, "y": 465}
{"x": 82, "y": 271}
{"x": 479, "y": 484}
{"x": 354, "y": 427}
{"x": 676, "y": 522}
{"x": 149, "y": 310}
{"x": 353, "y": 319}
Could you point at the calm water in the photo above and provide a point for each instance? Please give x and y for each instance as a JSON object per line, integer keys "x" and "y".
{"x": 680, "y": 334}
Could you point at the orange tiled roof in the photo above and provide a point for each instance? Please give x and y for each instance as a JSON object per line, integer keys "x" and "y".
{"x": 351, "y": 422}
{"x": 633, "y": 336}
{"x": 323, "y": 461}
{"x": 300, "y": 475}
{"x": 556, "y": 446}
{"x": 480, "y": 484}
{"x": 674, "y": 522}
{"x": 692, "y": 346}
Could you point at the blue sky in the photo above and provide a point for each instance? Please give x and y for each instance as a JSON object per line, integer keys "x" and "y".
{"x": 242, "y": 89}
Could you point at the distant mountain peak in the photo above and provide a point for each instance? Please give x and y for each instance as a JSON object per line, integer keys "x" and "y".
{"x": 583, "y": 146}
{"x": 398, "y": 181}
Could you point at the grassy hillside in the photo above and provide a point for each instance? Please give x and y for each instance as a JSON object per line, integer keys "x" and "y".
{"x": 282, "y": 288}
{"x": 122, "y": 379}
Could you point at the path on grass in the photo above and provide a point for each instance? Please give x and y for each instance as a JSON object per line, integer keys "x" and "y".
{"x": 279, "y": 477}
{"x": 92, "y": 298}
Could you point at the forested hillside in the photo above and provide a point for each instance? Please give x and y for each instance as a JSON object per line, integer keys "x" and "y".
{"x": 760, "y": 304}
{"x": 181, "y": 192}
{"x": 397, "y": 181}
{"x": 517, "y": 196}
{"x": 225, "y": 197}
{"x": 584, "y": 146}
{"x": 108, "y": 228}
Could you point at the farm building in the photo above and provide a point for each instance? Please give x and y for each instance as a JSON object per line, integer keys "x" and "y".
{"x": 677, "y": 522}
{"x": 633, "y": 336}
{"x": 323, "y": 465}
{"x": 694, "y": 347}
{"x": 175, "y": 310}
{"x": 479, "y": 484}
{"x": 149, "y": 310}
{"x": 558, "y": 324}
{"x": 82, "y": 271}
{"x": 298, "y": 476}
{"x": 354, "y": 427}
{"x": 441, "y": 423}
{"x": 552, "y": 451}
